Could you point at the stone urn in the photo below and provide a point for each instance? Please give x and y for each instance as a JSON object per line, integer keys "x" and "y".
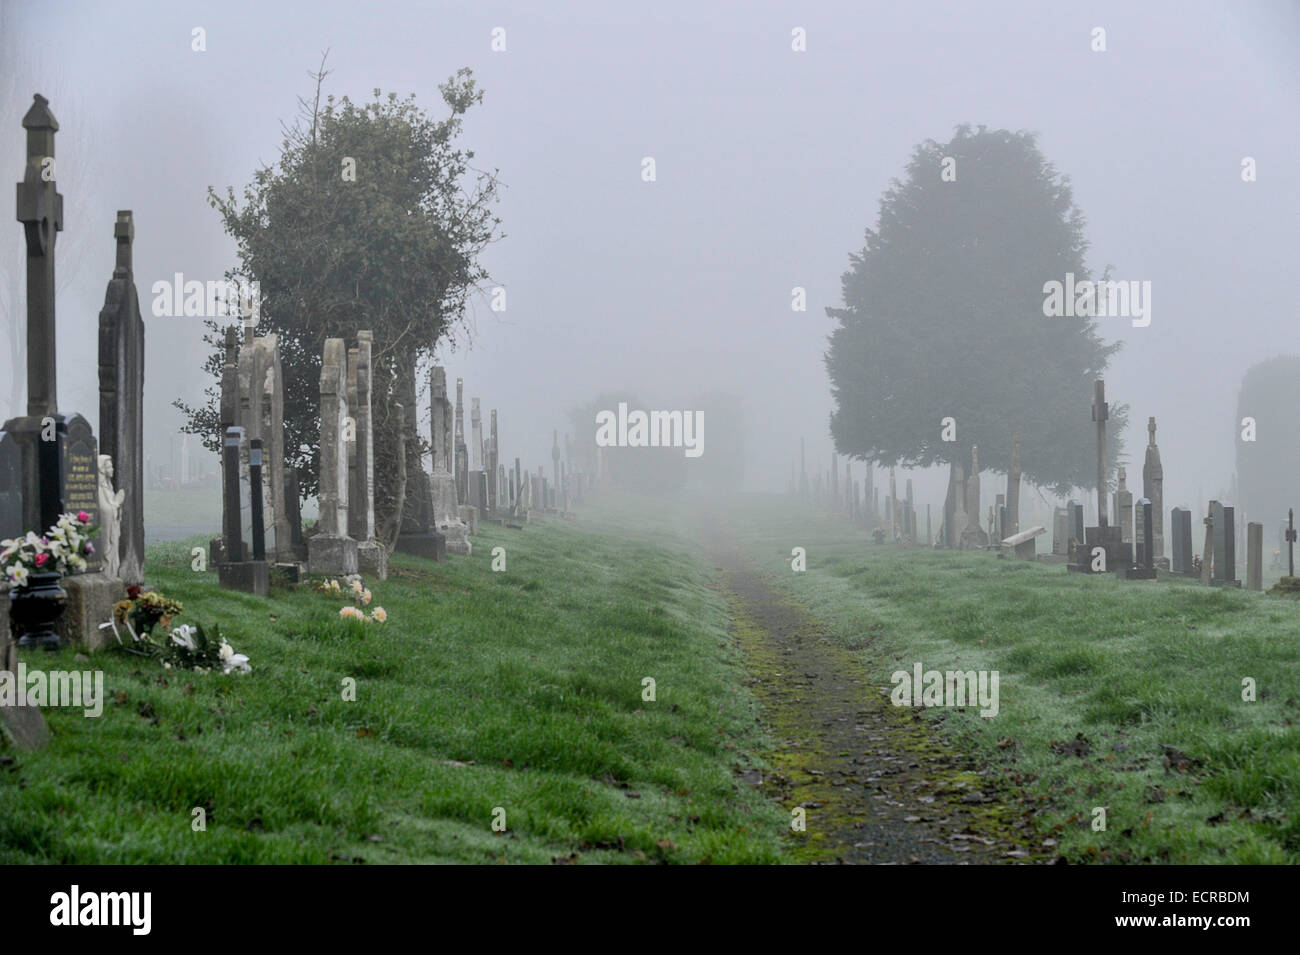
{"x": 35, "y": 607}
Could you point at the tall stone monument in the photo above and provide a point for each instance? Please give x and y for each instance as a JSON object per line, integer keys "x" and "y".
{"x": 121, "y": 401}
{"x": 331, "y": 551}
{"x": 372, "y": 557}
{"x": 1153, "y": 488}
{"x": 445, "y": 509}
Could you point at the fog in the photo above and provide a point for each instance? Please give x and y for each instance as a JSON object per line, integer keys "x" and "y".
{"x": 770, "y": 164}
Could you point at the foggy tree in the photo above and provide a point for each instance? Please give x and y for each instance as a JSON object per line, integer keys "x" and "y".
{"x": 943, "y": 317}
{"x": 372, "y": 219}
{"x": 722, "y": 465}
{"x": 1268, "y": 466}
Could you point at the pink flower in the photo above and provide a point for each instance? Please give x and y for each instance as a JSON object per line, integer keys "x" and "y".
{"x": 41, "y": 559}
{"x": 83, "y": 517}
{"x": 90, "y": 550}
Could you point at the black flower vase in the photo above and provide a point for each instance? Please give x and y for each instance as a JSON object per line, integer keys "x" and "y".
{"x": 35, "y": 607}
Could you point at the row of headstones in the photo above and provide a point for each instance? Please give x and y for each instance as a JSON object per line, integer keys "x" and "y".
{"x": 51, "y": 462}
{"x": 443, "y": 508}
{"x": 1218, "y": 565}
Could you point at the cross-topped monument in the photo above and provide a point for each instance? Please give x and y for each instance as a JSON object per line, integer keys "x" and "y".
{"x": 40, "y": 210}
{"x": 1100, "y": 412}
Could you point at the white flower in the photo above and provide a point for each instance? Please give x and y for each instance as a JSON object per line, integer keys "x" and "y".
{"x": 233, "y": 661}
{"x": 34, "y": 542}
{"x": 183, "y": 636}
{"x": 17, "y": 574}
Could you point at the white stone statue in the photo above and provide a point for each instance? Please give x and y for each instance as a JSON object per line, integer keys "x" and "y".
{"x": 110, "y": 509}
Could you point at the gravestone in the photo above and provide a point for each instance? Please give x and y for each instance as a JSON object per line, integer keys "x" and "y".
{"x": 1181, "y": 531}
{"x": 1123, "y": 507}
{"x": 462, "y": 460}
{"x": 11, "y": 487}
{"x": 1254, "y": 556}
{"x": 1105, "y": 536}
{"x": 121, "y": 401}
{"x": 476, "y": 437}
{"x": 372, "y": 557}
{"x": 1022, "y": 544}
{"x": 1207, "y": 552}
{"x": 1225, "y": 545}
{"x": 331, "y": 552}
{"x": 1153, "y": 488}
{"x": 239, "y": 570}
{"x": 555, "y": 458}
{"x": 293, "y": 514}
{"x": 446, "y": 511}
{"x": 1144, "y": 568}
{"x": 1060, "y": 531}
{"x": 1012, "y": 523}
{"x": 493, "y": 490}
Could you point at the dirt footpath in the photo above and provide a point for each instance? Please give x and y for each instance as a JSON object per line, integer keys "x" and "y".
{"x": 875, "y": 781}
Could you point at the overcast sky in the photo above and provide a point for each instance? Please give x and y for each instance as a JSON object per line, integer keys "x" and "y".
{"x": 770, "y": 164}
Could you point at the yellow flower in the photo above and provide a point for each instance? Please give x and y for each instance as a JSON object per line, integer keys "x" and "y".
{"x": 366, "y": 596}
{"x": 379, "y": 614}
{"x": 350, "y": 613}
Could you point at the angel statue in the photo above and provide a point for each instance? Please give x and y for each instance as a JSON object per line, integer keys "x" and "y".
{"x": 110, "y": 509}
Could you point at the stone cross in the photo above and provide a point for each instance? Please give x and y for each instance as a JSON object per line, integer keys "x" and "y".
{"x": 1013, "y": 489}
{"x": 1290, "y": 542}
{"x": 40, "y": 210}
{"x": 1124, "y": 507}
{"x": 1100, "y": 412}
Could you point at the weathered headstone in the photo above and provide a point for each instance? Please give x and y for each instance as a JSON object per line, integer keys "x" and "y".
{"x": 239, "y": 570}
{"x": 1181, "y": 532}
{"x": 1254, "y": 556}
{"x": 372, "y": 557}
{"x": 462, "y": 459}
{"x": 1145, "y": 568}
{"x": 1225, "y": 545}
{"x": 1123, "y": 507}
{"x": 1013, "y": 488}
{"x": 1207, "y": 552}
{"x": 1153, "y": 488}
{"x": 121, "y": 401}
{"x": 330, "y": 551}
{"x": 1022, "y": 544}
{"x": 1060, "y": 531}
{"x": 445, "y": 509}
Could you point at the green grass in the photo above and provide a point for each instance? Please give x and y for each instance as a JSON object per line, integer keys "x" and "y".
{"x": 1133, "y": 666}
{"x": 520, "y": 690}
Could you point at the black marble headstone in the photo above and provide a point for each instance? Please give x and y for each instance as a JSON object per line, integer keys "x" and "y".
{"x": 1181, "y": 527}
{"x": 11, "y": 487}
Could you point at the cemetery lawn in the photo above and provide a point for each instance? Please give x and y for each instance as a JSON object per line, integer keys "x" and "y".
{"x": 1126, "y": 696}
{"x": 519, "y": 690}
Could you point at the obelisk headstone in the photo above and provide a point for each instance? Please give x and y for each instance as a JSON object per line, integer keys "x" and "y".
{"x": 121, "y": 401}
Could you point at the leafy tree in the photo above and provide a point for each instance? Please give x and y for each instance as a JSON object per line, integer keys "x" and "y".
{"x": 1268, "y": 467}
{"x": 943, "y": 317}
{"x": 394, "y": 249}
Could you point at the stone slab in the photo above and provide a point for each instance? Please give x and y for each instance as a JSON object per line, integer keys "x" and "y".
{"x": 332, "y": 555}
{"x": 248, "y": 576}
{"x": 372, "y": 560}
{"x": 90, "y": 603}
{"x": 431, "y": 546}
